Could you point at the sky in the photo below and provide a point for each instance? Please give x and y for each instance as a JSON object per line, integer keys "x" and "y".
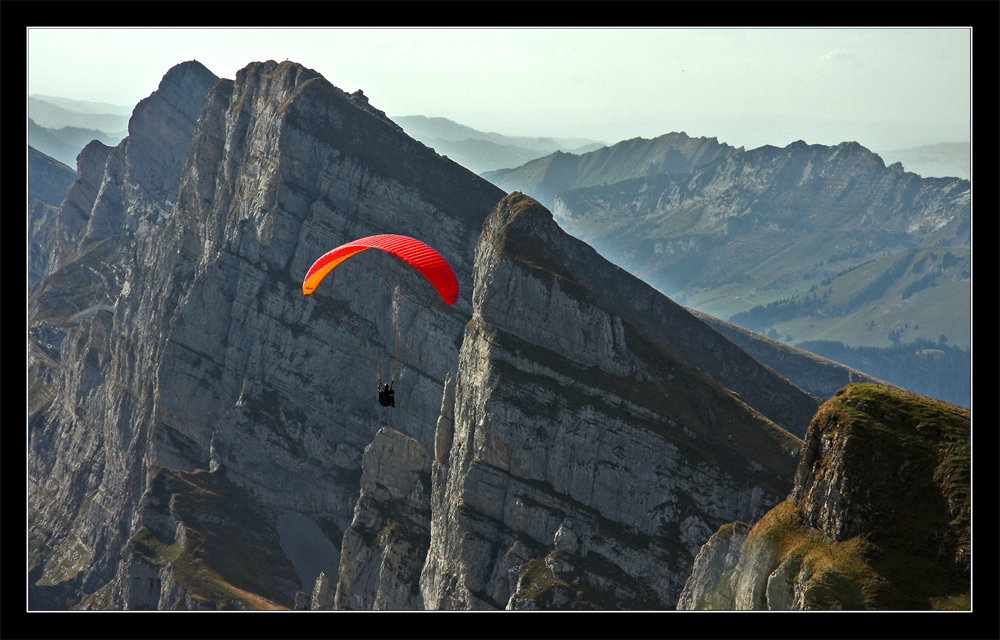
{"x": 886, "y": 88}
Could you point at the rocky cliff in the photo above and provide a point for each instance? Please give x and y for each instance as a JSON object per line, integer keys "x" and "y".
{"x": 48, "y": 183}
{"x": 575, "y": 460}
{"x": 85, "y": 402}
{"x": 581, "y": 459}
{"x": 203, "y": 435}
{"x": 879, "y": 517}
{"x": 172, "y": 333}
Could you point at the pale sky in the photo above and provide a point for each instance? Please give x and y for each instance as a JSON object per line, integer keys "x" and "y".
{"x": 886, "y": 88}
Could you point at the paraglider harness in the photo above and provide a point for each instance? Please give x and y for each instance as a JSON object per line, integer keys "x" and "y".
{"x": 386, "y": 396}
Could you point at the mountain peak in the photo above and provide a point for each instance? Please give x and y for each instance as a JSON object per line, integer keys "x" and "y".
{"x": 879, "y": 517}
{"x": 526, "y": 231}
{"x": 590, "y": 431}
{"x": 188, "y": 68}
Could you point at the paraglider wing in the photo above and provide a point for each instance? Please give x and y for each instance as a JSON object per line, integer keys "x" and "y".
{"x": 414, "y": 252}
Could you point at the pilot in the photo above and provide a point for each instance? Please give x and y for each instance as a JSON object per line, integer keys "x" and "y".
{"x": 386, "y": 396}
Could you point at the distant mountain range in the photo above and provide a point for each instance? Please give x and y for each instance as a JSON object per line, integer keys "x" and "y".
{"x": 56, "y": 112}
{"x": 822, "y": 247}
{"x": 483, "y": 151}
{"x": 477, "y": 150}
{"x": 61, "y": 128}
{"x": 48, "y": 179}
{"x": 480, "y": 151}
{"x": 66, "y": 143}
{"x": 940, "y": 160}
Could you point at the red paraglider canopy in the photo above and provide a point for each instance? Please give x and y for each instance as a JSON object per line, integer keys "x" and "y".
{"x": 414, "y": 252}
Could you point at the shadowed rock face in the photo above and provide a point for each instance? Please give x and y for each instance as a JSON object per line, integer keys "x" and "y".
{"x": 92, "y": 368}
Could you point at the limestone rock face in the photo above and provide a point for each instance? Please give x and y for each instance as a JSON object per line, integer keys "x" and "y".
{"x": 144, "y": 172}
{"x": 93, "y": 370}
{"x": 717, "y": 557}
{"x": 878, "y": 517}
{"x": 55, "y": 232}
{"x": 573, "y": 465}
{"x": 48, "y": 183}
{"x": 323, "y": 594}
{"x": 180, "y": 338}
{"x": 384, "y": 548}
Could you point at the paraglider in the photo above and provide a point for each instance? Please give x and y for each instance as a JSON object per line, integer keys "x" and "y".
{"x": 414, "y": 252}
{"x": 381, "y": 326}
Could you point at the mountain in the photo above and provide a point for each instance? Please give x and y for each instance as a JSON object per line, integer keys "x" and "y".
{"x": 48, "y": 179}
{"x": 783, "y": 206}
{"x": 180, "y": 300}
{"x": 547, "y": 177}
{"x": 66, "y": 143}
{"x": 480, "y": 151}
{"x": 574, "y": 430}
{"x": 56, "y": 113}
{"x": 86, "y": 451}
{"x": 887, "y": 318}
{"x": 805, "y": 244}
{"x": 879, "y": 517}
{"x": 201, "y": 435}
{"x": 942, "y": 160}
{"x": 61, "y": 128}
{"x": 48, "y": 183}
